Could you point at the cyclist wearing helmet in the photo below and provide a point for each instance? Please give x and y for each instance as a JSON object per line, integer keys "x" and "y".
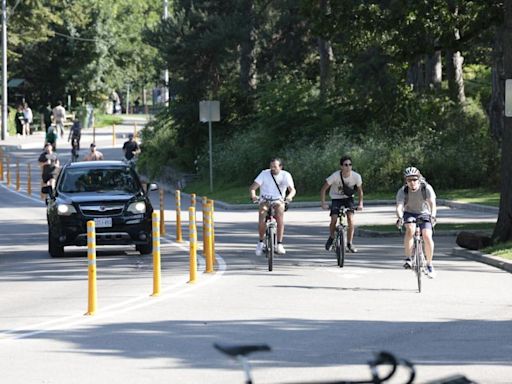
{"x": 417, "y": 199}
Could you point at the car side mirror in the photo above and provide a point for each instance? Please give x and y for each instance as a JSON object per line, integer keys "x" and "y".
{"x": 47, "y": 190}
{"x": 153, "y": 187}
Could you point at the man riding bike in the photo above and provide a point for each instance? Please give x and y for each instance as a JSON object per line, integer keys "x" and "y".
{"x": 417, "y": 199}
{"x": 342, "y": 185}
{"x": 273, "y": 184}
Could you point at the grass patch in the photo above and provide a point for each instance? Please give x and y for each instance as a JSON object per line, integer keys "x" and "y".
{"x": 475, "y": 196}
{"x": 501, "y": 250}
{"x": 439, "y": 227}
{"x": 238, "y": 194}
{"x": 104, "y": 120}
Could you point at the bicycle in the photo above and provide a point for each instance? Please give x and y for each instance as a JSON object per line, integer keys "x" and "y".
{"x": 339, "y": 245}
{"x": 270, "y": 242}
{"x": 419, "y": 263}
{"x": 240, "y": 353}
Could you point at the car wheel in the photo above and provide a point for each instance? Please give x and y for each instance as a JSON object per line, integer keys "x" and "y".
{"x": 54, "y": 248}
{"x": 144, "y": 249}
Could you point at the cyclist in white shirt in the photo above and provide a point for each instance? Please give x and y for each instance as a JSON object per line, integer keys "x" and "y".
{"x": 273, "y": 184}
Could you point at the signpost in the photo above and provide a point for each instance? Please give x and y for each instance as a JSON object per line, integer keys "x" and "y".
{"x": 508, "y": 98}
{"x": 209, "y": 111}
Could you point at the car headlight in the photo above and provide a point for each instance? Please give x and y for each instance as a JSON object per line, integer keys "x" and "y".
{"x": 65, "y": 209}
{"x": 137, "y": 207}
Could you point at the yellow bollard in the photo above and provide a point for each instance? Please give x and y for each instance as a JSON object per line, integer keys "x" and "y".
{"x": 1, "y": 164}
{"x": 29, "y": 180}
{"x": 162, "y": 213}
{"x": 179, "y": 238}
{"x": 8, "y": 166}
{"x": 193, "y": 200}
{"x": 156, "y": 254}
{"x": 17, "y": 175}
{"x": 113, "y": 135}
{"x": 207, "y": 241}
{"x": 193, "y": 244}
{"x": 91, "y": 258}
{"x": 93, "y": 134}
{"x": 204, "y": 201}
{"x": 212, "y": 242}
{"x": 135, "y": 130}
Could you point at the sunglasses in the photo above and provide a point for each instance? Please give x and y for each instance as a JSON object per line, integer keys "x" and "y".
{"x": 412, "y": 179}
{"x": 347, "y": 164}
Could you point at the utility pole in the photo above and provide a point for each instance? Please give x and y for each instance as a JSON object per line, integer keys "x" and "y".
{"x": 166, "y": 71}
{"x": 4, "y": 69}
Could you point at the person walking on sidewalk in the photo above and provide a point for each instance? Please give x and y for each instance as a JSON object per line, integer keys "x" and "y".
{"x": 28, "y": 118}
{"x": 59, "y": 117}
{"x": 273, "y": 184}
{"x": 342, "y": 185}
{"x": 75, "y": 134}
{"x": 417, "y": 199}
{"x": 19, "y": 120}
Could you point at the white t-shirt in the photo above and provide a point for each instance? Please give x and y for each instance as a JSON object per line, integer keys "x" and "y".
{"x": 336, "y": 190}
{"x": 269, "y": 189}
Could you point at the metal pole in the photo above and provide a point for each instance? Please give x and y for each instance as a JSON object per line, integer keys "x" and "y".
{"x": 4, "y": 69}
{"x": 166, "y": 71}
{"x": 210, "y": 143}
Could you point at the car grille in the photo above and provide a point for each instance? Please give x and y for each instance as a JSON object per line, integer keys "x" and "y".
{"x": 101, "y": 210}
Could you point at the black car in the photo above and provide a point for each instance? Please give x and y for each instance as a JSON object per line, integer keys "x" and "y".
{"x": 108, "y": 192}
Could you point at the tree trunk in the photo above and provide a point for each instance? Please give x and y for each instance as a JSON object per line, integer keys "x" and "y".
{"x": 247, "y": 44}
{"x": 503, "y": 229}
{"x": 326, "y": 57}
{"x": 455, "y": 60}
{"x": 435, "y": 70}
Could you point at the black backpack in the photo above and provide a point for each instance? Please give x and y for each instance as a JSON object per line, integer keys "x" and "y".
{"x": 423, "y": 191}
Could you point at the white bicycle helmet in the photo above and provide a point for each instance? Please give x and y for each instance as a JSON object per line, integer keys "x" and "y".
{"x": 412, "y": 171}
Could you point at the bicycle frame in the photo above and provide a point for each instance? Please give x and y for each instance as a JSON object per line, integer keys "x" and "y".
{"x": 270, "y": 233}
{"x": 240, "y": 352}
{"x": 418, "y": 253}
{"x": 340, "y": 239}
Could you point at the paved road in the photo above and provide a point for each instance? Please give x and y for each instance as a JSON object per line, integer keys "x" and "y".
{"x": 322, "y": 322}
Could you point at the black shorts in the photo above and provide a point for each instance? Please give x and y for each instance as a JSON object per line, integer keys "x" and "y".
{"x": 426, "y": 224}
{"x": 336, "y": 204}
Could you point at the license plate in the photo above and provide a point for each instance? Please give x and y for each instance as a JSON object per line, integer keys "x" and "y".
{"x": 103, "y": 222}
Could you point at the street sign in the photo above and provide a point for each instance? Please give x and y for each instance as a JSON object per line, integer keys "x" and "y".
{"x": 508, "y": 98}
{"x": 209, "y": 110}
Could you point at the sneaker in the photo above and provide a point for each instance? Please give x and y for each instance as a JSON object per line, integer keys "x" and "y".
{"x": 407, "y": 263}
{"x": 328, "y": 243}
{"x": 259, "y": 248}
{"x": 280, "y": 249}
{"x": 351, "y": 248}
{"x": 431, "y": 272}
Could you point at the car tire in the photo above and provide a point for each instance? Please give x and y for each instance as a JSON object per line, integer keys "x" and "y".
{"x": 144, "y": 249}
{"x": 54, "y": 248}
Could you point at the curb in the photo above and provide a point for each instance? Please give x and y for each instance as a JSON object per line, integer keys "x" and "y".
{"x": 471, "y": 206}
{"x": 494, "y": 261}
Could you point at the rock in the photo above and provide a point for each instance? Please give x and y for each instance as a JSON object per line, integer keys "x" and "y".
{"x": 474, "y": 241}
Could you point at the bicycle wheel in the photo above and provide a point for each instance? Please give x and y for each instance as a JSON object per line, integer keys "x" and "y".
{"x": 337, "y": 247}
{"x": 343, "y": 246}
{"x": 271, "y": 241}
{"x": 417, "y": 261}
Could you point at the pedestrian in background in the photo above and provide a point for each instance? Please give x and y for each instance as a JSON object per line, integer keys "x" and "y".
{"x": 19, "y": 120}
{"x": 59, "y": 117}
{"x": 51, "y": 138}
{"x": 28, "y": 118}
{"x": 50, "y": 164}
{"x": 46, "y": 114}
{"x": 94, "y": 155}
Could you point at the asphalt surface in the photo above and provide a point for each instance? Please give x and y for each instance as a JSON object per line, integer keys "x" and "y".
{"x": 322, "y": 322}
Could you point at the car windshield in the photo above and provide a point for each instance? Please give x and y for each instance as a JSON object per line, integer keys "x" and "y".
{"x": 76, "y": 180}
